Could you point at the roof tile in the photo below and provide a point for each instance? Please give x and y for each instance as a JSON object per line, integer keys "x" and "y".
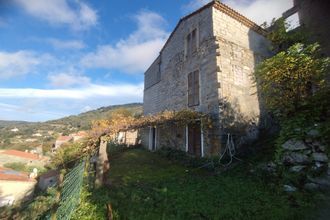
{"x": 22, "y": 154}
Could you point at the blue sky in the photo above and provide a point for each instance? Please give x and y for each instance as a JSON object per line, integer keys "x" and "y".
{"x": 64, "y": 57}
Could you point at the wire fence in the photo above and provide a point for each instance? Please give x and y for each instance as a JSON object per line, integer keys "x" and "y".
{"x": 70, "y": 193}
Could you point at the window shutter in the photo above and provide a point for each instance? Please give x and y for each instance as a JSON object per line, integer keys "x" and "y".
{"x": 190, "y": 90}
{"x": 193, "y": 88}
{"x": 188, "y": 44}
{"x": 193, "y": 41}
{"x": 196, "y": 87}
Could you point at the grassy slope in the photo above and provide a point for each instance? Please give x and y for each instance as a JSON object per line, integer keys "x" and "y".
{"x": 147, "y": 186}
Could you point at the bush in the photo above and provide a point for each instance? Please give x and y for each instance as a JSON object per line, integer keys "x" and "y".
{"x": 287, "y": 79}
{"x": 67, "y": 153}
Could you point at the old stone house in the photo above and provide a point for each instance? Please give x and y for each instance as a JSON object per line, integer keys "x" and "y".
{"x": 206, "y": 65}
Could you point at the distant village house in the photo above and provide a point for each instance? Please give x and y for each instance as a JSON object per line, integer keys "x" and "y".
{"x": 60, "y": 141}
{"x": 31, "y": 159}
{"x": 15, "y": 186}
{"x": 79, "y": 135}
{"x": 14, "y": 129}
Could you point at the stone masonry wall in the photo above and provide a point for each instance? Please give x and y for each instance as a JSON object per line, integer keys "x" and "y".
{"x": 239, "y": 50}
{"x": 171, "y": 93}
{"x": 227, "y": 54}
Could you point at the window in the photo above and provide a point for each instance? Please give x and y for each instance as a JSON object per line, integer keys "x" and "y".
{"x": 191, "y": 42}
{"x": 193, "y": 88}
{"x": 293, "y": 21}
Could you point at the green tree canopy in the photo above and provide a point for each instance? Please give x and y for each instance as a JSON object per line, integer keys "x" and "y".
{"x": 286, "y": 79}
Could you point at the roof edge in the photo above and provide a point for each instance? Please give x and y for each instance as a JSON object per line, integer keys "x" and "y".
{"x": 223, "y": 8}
{"x": 239, "y": 17}
{"x": 185, "y": 18}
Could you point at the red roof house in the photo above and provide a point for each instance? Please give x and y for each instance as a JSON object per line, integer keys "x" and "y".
{"x": 22, "y": 154}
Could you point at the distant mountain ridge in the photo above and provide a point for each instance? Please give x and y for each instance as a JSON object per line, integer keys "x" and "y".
{"x": 83, "y": 119}
{"x": 4, "y": 123}
{"x": 25, "y": 137}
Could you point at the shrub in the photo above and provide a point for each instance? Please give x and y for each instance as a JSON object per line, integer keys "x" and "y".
{"x": 67, "y": 153}
{"x": 287, "y": 79}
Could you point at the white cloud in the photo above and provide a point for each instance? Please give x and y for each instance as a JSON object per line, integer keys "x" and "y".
{"x": 68, "y": 79}
{"x": 260, "y": 11}
{"x": 25, "y": 109}
{"x": 90, "y": 91}
{"x": 66, "y": 44}
{"x": 193, "y": 5}
{"x": 135, "y": 53}
{"x": 19, "y": 63}
{"x": 76, "y": 14}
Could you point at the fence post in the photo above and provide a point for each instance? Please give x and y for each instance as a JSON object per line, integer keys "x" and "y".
{"x": 102, "y": 165}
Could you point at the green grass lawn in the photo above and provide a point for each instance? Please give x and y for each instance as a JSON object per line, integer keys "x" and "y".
{"x": 144, "y": 185}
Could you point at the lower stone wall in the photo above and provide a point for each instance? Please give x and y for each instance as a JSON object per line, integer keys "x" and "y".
{"x": 129, "y": 138}
{"x": 171, "y": 136}
{"x": 143, "y": 135}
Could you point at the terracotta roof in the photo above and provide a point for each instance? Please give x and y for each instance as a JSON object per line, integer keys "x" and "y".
{"x": 50, "y": 174}
{"x": 22, "y": 154}
{"x": 225, "y": 9}
{"x": 64, "y": 138}
{"x": 12, "y": 175}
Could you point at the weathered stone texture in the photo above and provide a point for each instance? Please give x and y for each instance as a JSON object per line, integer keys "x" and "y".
{"x": 171, "y": 92}
{"x": 239, "y": 51}
{"x": 226, "y": 58}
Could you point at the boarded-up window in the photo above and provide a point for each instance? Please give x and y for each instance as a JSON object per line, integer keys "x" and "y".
{"x": 193, "y": 88}
{"x": 191, "y": 42}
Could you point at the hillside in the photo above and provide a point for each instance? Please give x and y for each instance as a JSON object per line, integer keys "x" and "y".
{"x": 33, "y": 134}
{"x": 83, "y": 120}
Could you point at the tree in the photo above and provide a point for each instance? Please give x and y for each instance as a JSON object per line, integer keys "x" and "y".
{"x": 286, "y": 79}
{"x": 281, "y": 38}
